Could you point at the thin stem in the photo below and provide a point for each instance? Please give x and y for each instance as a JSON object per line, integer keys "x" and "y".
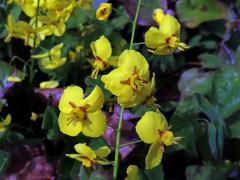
{"x": 36, "y": 24}
{"x": 115, "y": 170}
{"x": 31, "y": 74}
{"x": 134, "y": 24}
{"x": 137, "y": 44}
{"x": 134, "y": 142}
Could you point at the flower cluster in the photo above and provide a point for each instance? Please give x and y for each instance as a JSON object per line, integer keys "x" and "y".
{"x": 129, "y": 78}
{"x": 165, "y": 39}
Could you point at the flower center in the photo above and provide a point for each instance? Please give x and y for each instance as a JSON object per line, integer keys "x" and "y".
{"x": 174, "y": 42}
{"x": 77, "y": 115}
{"x": 135, "y": 82}
{"x": 98, "y": 64}
{"x": 166, "y": 137}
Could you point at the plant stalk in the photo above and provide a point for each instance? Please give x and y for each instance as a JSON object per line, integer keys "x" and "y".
{"x": 118, "y": 137}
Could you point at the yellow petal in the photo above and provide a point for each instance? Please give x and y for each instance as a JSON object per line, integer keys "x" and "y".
{"x": 49, "y": 84}
{"x": 13, "y": 79}
{"x": 153, "y": 38}
{"x": 170, "y": 26}
{"x": 74, "y": 156}
{"x": 132, "y": 173}
{"x": 149, "y": 125}
{"x": 94, "y": 101}
{"x": 103, "y": 152}
{"x": 85, "y": 151}
{"x": 154, "y": 155}
{"x": 113, "y": 83}
{"x": 131, "y": 59}
{"x": 40, "y": 56}
{"x": 158, "y": 15}
{"x": 68, "y": 128}
{"x": 72, "y": 95}
{"x": 6, "y": 121}
{"x": 56, "y": 50}
{"x": 103, "y": 162}
{"x": 97, "y": 125}
{"x": 102, "y": 48}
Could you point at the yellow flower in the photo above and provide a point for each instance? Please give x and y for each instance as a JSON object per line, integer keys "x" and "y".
{"x": 158, "y": 15}
{"x": 51, "y": 60}
{"x": 130, "y": 80}
{"x": 52, "y": 25}
{"x": 5, "y": 123}
{"x": 82, "y": 115}
{"x": 153, "y": 129}
{"x": 102, "y": 52}
{"x": 29, "y": 7}
{"x": 34, "y": 116}
{"x": 89, "y": 157}
{"x": 60, "y": 8}
{"x": 166, "y": 39}
{"x": 24, "y": 31}
{"x": 132, "y": 173}
{"x": 49, "y": 84}
{"x": 104, "y": 11}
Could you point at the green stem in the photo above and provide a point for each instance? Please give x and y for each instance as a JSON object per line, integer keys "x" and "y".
{"x": 115, "y": 170}
{"x": 134, "y": 24}
{"x": 31, "y": 74}
{"x": 137, "y": 44}
{"x": 117, "y": 147}
{"x": 134, "y": 142}
{"x": 36, "y": 24}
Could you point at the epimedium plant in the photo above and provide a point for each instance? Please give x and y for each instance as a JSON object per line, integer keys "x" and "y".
{"x": 67, "y": 36}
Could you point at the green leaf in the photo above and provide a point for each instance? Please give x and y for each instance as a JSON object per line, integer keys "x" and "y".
{"x": 97, "y": 175}
{"x": 156, "y": 173}
{"x": 209, "y": 171}
{"x": 195, "y": 41}
{"x": 194, "y": 81}
{"x": 210, "y": 60}
{"x": 50, "y": 122}
{"x": 4, "y": 159}
{"x": 216, "y": 126}
{"x": 226, "y": 90}
{"x": 194, "y": 12}
{"x": 15, "y": 138}
{"x": 97, "y": 143}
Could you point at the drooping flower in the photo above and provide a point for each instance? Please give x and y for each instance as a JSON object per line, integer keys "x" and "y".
{"x": 102, "y": 52}
{"x": 90, "y": 157}
{"x": 5, "y": 123}
{"x": 104, "y": 11}
{"x": 158, "y": 15}
{"x": 52, "y": 25}
{"x": 153, "y": 129}
{"x": 23, "y": 30}
{"x": 130, "y": 80}
{"x": 49, "y": 84}
{"x": 132, "y": 173}
{"x": 166, "y": 39}
{"x": 82, "y": 115}
{"x": 52, "y": 59}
